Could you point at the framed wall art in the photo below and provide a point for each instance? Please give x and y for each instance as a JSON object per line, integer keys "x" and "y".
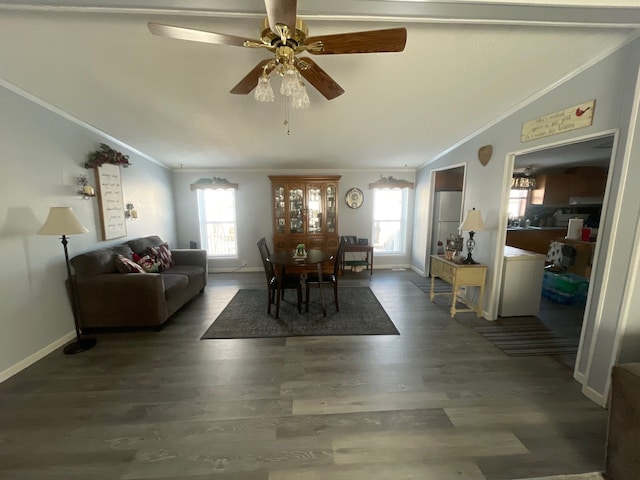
{"x": 110, "y": 201}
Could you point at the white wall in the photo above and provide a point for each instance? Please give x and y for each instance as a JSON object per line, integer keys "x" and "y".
{"x": 611, "y": 83}
{"x": 41, "y": 157}
{"x": 254, "y": 213}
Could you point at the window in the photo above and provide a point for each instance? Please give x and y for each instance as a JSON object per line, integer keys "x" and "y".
{"x": 217, "y": 209}
{"x": 517, "y": 202}
{"x": 389, "y": 220}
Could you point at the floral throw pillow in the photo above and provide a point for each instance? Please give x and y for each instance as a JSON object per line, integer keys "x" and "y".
{"x": 163, "y": 255}
{"x": 149, "y": 264}
{"x": 124, "y": 265}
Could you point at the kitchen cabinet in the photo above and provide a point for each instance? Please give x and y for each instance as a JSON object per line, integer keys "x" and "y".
{"x": 305, "y": 210}
{"x": 449, "y": 180}
{"x": 521, "y": 287}
{"x": 534, "y": 239}
{"x": 558, "y": 188}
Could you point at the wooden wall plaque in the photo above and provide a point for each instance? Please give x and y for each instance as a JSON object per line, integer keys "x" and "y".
{"x": 111, "y": 201}
{"x": 578, "y": 116}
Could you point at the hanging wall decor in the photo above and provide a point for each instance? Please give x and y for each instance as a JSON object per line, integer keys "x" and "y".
{"x": 106, "y": 154}
{"x": 111, "y": 201}
{"x": 484, "y": 154}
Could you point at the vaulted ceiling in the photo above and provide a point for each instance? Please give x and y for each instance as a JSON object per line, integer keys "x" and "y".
{"x": 464, "y": 65}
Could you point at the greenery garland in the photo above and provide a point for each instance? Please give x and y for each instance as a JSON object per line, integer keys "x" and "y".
{"x": 106, "y": 154}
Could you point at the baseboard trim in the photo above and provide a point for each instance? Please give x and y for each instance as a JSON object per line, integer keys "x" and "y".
{"x": 34, "y": 357}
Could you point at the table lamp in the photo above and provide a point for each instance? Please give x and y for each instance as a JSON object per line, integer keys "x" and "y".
{"x": 472, "y": 223}
{"x": 62, "y": 221}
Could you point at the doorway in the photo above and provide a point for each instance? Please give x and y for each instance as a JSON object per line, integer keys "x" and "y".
{"x": 446, "y": 207}
{"x": 560, "y": 215}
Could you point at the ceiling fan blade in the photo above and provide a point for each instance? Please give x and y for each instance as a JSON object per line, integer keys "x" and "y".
{"x": 373, "y": 41}
{"x": 317, "y": 77}
{"x": 281, "y": 12}
{"x": 250, "y": 80}
{"x": 193, "y": 35}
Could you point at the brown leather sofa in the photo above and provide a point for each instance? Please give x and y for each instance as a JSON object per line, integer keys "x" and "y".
{"x": 107, "y": 298}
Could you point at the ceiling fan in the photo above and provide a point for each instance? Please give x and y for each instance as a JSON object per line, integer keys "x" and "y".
{"x": 286, "y": 35}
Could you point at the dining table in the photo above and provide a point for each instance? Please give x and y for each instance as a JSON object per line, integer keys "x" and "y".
{"x": 288, "y": 258}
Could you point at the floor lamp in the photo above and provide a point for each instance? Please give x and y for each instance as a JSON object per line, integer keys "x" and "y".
{"x": 62, "y": 221}
{"x": 472, "y": 223}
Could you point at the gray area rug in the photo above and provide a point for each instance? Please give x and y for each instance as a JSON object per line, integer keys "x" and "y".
{"x": 424, "y": 284}
{"x": 526, "y": 337}
{"x": 246, "y": 316}
{"x": 580, "y": 476}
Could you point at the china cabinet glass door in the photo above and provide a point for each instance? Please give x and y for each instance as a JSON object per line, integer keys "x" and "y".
{"x": 279, "y": 214}
{"x": 296, "y": 209}
{"x": 314, "y": 209}
{"x": 332, "y": 193}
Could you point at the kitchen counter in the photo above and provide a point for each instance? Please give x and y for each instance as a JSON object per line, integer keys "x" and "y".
{"x": 535, "y": 228}
{"x": 513, "y": 253}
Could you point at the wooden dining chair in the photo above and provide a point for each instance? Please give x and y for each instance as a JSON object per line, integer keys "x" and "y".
{"x": 289, "y": 281}
{"x": 329, "y": 279}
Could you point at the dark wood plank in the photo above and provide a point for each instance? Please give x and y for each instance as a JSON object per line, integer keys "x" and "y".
{"x": 437, "y": 401}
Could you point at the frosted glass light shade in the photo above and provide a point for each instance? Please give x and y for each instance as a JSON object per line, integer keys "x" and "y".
{"x": 290, "y": 82}
{"x": 300, "y": 99}
{"x": 472, "y": 222}
{"x": 62, "y": 221}
{"x": 264, "y": 91}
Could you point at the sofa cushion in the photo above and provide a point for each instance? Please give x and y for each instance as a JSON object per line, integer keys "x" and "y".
{"x": 140, "y": 245}
{"x": 99, "y": 261}
{"x": 193, "y": 272}
{"x": 174, "y": 284}
{"x": 125, "y": 265}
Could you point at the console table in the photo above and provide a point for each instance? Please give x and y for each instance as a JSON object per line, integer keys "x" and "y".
{"x": 458, "y": 275}
{"x": 367, "y": 261}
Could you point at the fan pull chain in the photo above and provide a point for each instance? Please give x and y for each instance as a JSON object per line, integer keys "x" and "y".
{"x": 286, "y": 116}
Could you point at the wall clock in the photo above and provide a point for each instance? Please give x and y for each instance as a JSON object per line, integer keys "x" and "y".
{"x": 354, "y": 198}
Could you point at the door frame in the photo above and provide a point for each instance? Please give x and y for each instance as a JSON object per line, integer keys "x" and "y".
{"x": 598, "y": 258}
{"x": 430, "y": 212}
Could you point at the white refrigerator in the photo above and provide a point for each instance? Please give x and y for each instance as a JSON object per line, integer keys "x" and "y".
{"x": 447, "y": 208}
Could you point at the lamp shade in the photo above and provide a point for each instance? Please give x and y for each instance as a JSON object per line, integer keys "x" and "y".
{"x": 472, "y": 222}
{"x": 62, "y": 221}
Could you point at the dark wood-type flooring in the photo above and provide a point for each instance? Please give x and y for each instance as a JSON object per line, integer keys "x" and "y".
{"x": 437, "y": 402}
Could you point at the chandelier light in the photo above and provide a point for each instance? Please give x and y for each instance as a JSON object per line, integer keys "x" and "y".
{"x": 524, "y": 180}
{"x": 520, "y": 182}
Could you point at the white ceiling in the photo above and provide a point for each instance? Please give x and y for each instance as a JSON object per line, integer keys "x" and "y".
{"x": 465, "y": 64}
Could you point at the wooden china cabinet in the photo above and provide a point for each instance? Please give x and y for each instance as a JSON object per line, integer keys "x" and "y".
{"x": 305, "y": 210}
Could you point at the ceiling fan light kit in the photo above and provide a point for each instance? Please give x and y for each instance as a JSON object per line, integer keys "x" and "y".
{"x": 285, "y": 35}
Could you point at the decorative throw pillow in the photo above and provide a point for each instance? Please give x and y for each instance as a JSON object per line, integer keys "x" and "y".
{"x": 163, "y": 255}
{"x": 149, "y": 264}
{"x": 124, "y": 265}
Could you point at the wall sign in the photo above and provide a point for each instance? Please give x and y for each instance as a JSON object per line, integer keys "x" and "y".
{"x": 572, "y": 118}
{"x": 111, "y": 201}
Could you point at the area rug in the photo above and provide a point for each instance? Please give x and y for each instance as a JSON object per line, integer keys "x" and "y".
{"x": 579, "y": 476}
{"x": 424, "y": 284}
{"x": 246, "y": 316}
{"x": 527, "y": 337}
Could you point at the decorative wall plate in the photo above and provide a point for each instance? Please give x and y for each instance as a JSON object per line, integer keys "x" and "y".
{"x": 354, "y": 198}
